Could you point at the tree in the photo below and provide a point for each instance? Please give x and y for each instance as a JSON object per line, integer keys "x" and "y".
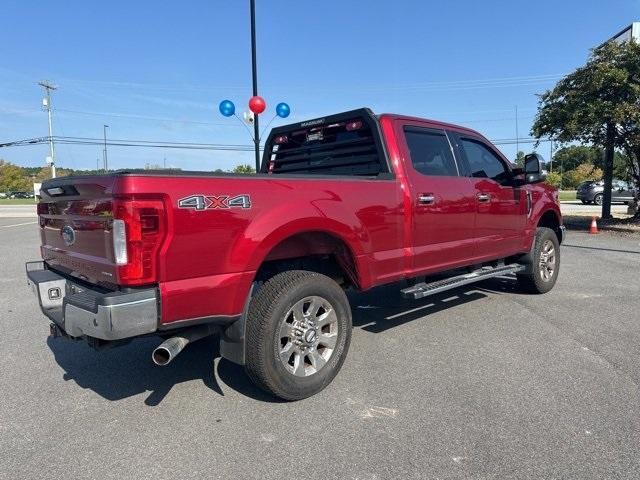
{"x": 598, "y": 104}
{"x": 581, "y": 173}
{"x": 519, "y": 162}
{"x": 244, "y": 169}
{"x": 12, "y": 178}
{"x": 570, "y": 157}
{"x": 45, "y": 173}
{"x": 554, "y": 179}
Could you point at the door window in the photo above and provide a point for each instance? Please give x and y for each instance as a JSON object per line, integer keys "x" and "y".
{"x": 430, "y": 152}
{"x": 483, "y": 163}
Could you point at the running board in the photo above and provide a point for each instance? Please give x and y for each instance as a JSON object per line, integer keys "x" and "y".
{"x": 422, "y": 290}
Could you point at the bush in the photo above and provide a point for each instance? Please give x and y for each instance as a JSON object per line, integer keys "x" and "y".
{"x": 581, "y": 173}
{"x": 554, "y": 179}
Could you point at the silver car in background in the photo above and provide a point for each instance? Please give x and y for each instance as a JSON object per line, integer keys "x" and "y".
{"x": 593, "y": 192}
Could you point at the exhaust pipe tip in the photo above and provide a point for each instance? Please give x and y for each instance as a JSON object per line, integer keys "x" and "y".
{"x": 161, "y": 356}
{"x": 171, "y": 348}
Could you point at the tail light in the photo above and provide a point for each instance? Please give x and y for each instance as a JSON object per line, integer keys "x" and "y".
{"x": 42, "y": 208}
{"x": 139, "y": 228}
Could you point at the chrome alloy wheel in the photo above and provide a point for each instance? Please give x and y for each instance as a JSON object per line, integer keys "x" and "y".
{"x": 308, "y": 336}
{"x": 547, "y": 260}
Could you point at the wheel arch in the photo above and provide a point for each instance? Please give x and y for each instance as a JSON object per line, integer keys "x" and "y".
{"x": 551, "y": 219}
{"x": 319, "y": 250}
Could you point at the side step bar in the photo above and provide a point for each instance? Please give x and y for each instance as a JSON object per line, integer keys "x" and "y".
{"x": 422, "y": 290}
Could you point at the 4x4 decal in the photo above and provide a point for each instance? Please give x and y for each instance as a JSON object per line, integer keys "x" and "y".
{"x": 211, "y": 202}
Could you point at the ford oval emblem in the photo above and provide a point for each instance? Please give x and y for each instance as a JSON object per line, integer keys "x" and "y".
{"x": 68, "y": 235}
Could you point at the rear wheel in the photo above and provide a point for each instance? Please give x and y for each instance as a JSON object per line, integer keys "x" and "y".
{"x": 297, "y": 334}
{"x": 598, "y": 199}
{"x": 543, "y": 270}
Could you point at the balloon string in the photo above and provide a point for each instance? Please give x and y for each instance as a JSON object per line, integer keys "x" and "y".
{"x": 265, "y": 128}
{"x": 245, "y": 126}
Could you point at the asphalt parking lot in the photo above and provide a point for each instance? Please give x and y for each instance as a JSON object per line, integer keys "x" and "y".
{"x": 483, "y": 382}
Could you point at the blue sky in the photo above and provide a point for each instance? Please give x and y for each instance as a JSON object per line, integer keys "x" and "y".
{"x": 157, "y": 70}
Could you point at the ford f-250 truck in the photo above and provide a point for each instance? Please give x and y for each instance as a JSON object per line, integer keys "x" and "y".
{"x": 352, "y": 200}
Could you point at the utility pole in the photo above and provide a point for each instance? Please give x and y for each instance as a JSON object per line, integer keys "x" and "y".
{"x": 551, "y": 156}
{"x": 517, "y": 139}
{"x": 46, "y": 103}
{"x": 104, "y": 151}
{"x": 609, "y": 152}
{"x": 254, "y": 72}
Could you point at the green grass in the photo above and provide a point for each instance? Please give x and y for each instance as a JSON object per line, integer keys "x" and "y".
{"x": 567, "y": 194}
{"x": 17, "y": 201}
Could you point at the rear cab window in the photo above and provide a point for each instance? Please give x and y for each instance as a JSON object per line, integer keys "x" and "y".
{"x": 343, "y": 144}
{"x": 430, "y": 152}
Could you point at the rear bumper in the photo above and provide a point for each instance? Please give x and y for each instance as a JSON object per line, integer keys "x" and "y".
{"x": 82, "y": 311}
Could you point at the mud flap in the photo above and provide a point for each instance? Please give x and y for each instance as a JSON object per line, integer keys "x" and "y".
{"x": 232, "y": 339}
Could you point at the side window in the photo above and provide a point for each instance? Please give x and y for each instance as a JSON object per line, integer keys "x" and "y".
{"x": 430, "y": 152}
{"x": 483, "y": 162}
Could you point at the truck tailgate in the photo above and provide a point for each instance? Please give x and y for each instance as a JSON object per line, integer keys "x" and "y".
{"x": 76, "y": 218}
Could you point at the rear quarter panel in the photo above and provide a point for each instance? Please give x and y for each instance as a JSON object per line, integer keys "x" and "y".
{"x": 210, "y": 257}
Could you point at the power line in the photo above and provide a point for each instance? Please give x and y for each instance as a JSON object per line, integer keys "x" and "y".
{"x": 478, "y": 83}
{"x": 144, "y": 117}
{"x": 194, "y": 145}
{"x": 128, "y": 143}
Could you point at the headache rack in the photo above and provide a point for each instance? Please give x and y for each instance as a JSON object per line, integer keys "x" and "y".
{"x": 347, "y": 143}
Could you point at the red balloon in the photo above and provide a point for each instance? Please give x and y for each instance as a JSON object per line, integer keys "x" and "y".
{"x": 257, "y": 104}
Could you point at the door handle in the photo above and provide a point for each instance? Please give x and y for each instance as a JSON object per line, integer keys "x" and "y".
{"x": 483, "y": 197}
{"x": 426, "y": 198}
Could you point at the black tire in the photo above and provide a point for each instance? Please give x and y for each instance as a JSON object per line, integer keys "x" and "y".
{"x": 267, "y": 313}
{"x": 533, "y": 280}
{"x": 598, "y": 199}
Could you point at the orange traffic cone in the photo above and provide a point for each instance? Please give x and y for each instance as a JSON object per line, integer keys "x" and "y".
{"x": 594, "y": 226}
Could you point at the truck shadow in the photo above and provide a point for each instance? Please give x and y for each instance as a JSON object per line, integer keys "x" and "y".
{"x": 126, "y": 371}
{"x": 384, "y": 308}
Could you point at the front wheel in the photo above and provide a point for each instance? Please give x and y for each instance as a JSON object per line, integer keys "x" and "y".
{"x": 598, "y": 199}
{"x": 542, "y": 272}
{"x": 298, "y": 330}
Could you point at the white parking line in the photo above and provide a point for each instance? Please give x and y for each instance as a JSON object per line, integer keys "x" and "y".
{"x": 18, "y": 224}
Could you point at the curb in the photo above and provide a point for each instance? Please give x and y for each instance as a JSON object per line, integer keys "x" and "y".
{"x": 573, "y": 225}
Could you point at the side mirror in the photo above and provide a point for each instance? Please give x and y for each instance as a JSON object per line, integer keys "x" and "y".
{"x": 533, "y": 168}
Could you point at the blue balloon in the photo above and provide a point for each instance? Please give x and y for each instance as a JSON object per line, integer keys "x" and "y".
{"x": 227, "y": 108}
{"x": 283, "y": 110}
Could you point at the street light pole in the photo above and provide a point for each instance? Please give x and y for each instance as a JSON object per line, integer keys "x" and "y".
{"x": 47, "y": 104}
{"x": 104, "y": 151}
{"x": 254, "y": 72}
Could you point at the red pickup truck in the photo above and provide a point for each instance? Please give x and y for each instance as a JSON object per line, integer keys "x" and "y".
{"x": 353, "y": 200}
